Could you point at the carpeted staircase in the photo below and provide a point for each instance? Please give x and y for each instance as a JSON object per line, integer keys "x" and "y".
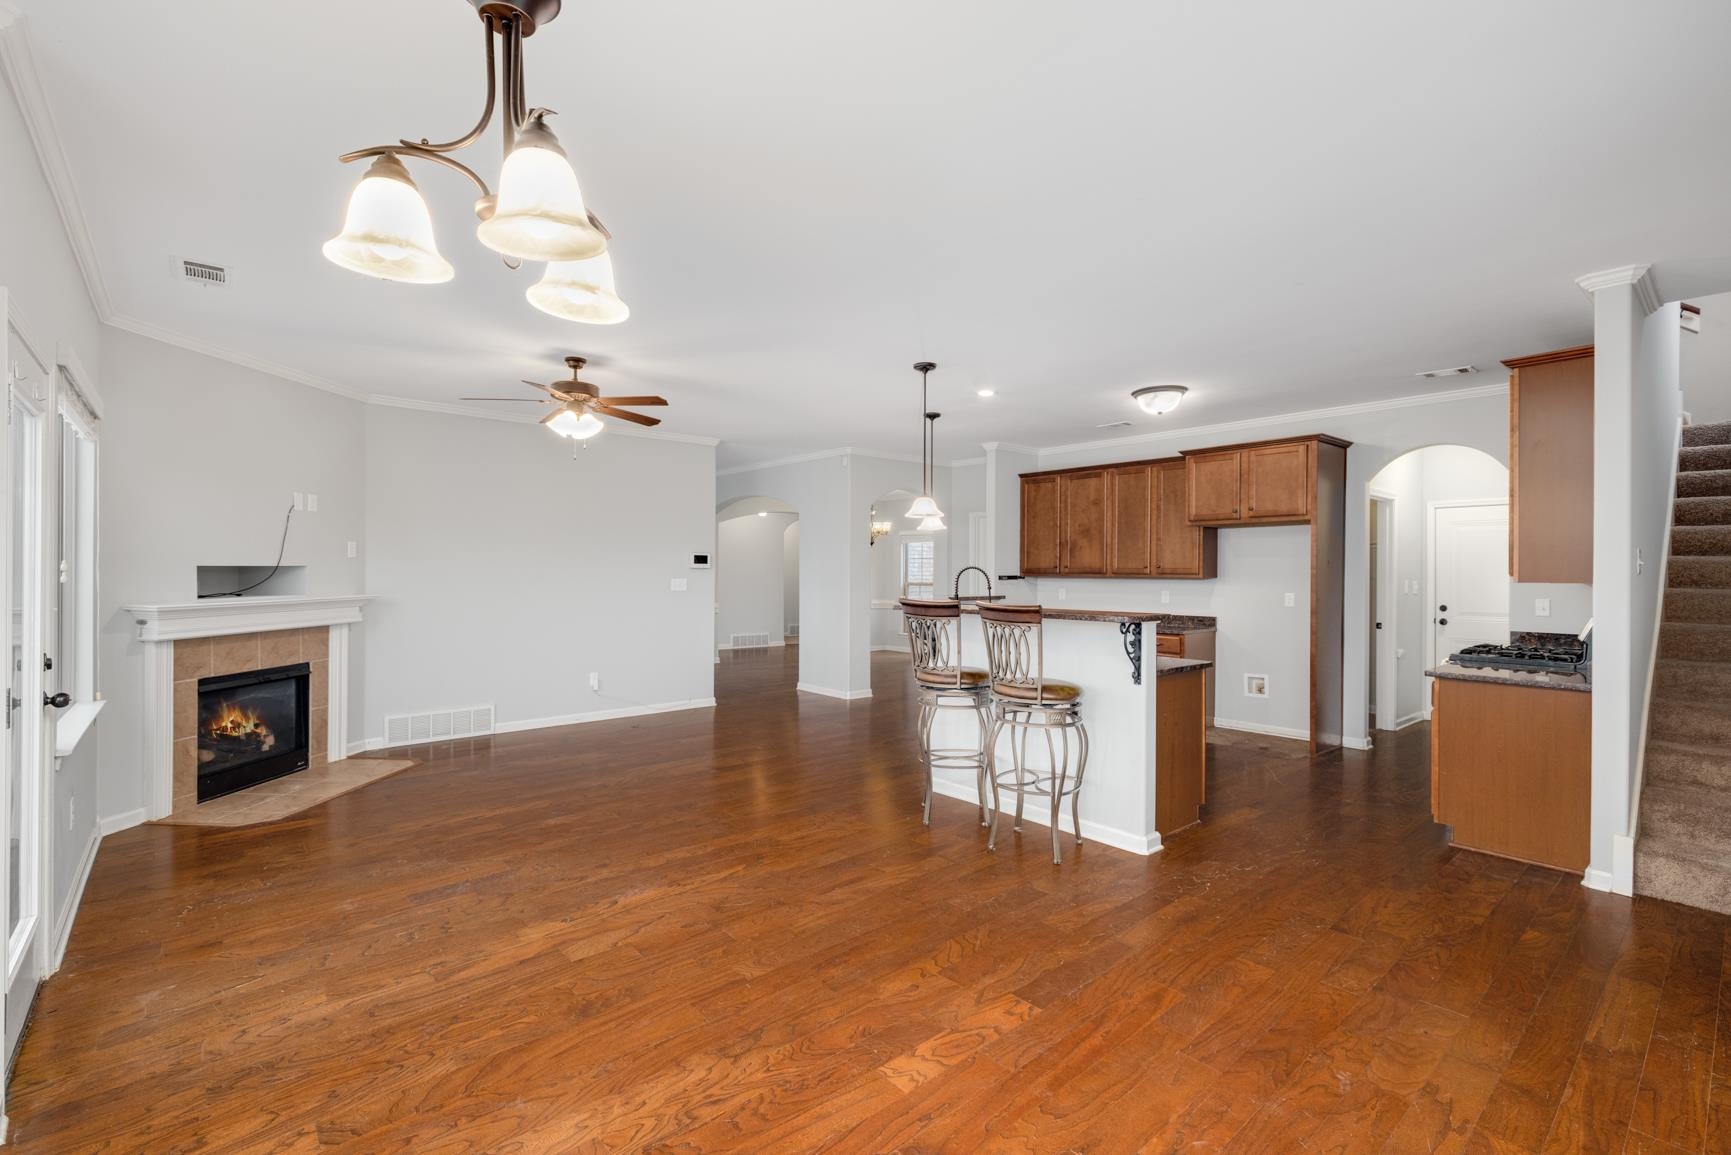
{"x": 1684, "y": 849}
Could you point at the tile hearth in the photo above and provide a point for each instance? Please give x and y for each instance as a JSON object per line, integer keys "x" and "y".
{"x": 285, "y": 797}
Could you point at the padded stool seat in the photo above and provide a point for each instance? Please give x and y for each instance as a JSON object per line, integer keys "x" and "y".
{"x": 1066, "y": 693}
{"x": 969, "y": 680}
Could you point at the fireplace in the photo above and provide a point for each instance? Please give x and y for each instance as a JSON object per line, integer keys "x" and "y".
{"x": 252, "y": 727}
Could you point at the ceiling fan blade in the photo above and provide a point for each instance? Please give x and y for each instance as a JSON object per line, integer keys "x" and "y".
{"x": 548, "y": 420}
{"x": 530, "y": 400}
{"x": 632, "y": 400}
{"x": 624, "y": 415}
{"x": 543, "y": 388}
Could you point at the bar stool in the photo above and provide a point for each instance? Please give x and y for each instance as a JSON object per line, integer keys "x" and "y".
{"x": 1024, "y": 700}
{"x": 943, "y": 683}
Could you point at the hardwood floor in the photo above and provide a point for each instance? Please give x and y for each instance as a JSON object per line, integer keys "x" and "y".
{"x": 727, "y": 931}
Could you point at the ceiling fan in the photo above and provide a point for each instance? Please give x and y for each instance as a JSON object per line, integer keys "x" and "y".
{"x": 579, "y": 406}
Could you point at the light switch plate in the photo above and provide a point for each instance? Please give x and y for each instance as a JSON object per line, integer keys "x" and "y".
{"x": 679, "y": 585}
{"x": 1542, "y": 607}
{"x": 1165, "y": 597}
{"x": 1291, "y": 600}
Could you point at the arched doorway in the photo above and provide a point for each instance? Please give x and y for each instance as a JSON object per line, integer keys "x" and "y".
{"x": 756, "y": 574}
{"x": 1437, "y": 528}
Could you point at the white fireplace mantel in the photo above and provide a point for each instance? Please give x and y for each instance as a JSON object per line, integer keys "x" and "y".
{"x": 160, "y": 626}
{"x": 214, "y": 617}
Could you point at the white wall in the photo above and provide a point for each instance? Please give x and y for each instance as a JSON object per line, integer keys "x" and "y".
{"x": 790, "y": 579}
{"x": 507, "y": 568}
{"x": 199, "y": 462}
{"x": 751, "y": 575}
{"x": 47, "y": 297}
{"x": 1706, "y": 362}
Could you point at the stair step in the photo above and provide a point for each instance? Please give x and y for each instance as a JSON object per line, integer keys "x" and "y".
{"x": 1686, "y": 681}
{"x": 1678, "y": 764}
{"x": 1696, "y": 457}
{"x": 1715, "y": 510}
{"x": 1696, "y": 723}
{"x": 1695, "y": 642}
{"x": 1698, "y": 605}
{"x": 1714, "y": 433}
{"x": 1701, "y": 541}
{"x": 1675, "y": 872}
{"x": 1699, "y": 573}
{"x": 1704, "y": 483}
{"x": 1695, "y": 816}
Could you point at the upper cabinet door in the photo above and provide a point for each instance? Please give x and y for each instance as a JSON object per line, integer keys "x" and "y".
{"x": 1277, "y": 482}
{"x": 1040, "y": 525}
{"x": 1215, "y": 486}
{"x": 1180, "y": 548}
{"x": 1551, "y": 467}
{"x": 1130, "y": 516}
{"x": 1082, "y": 497}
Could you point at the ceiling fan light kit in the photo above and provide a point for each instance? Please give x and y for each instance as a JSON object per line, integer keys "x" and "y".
{"x": 1159, "y": 399}
{"x": 580, "y": 406}
{"x": 924, "y": 507}
{"x": 538, "y": 214}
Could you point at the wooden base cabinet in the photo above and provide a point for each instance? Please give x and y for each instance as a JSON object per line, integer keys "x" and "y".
{"x": 1180, "y": 751}
{"x": 1512, "y": 770}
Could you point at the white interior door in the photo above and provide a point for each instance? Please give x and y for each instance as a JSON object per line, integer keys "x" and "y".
{"x": 1470, "y": 576}
{"x": 29, "y": 389}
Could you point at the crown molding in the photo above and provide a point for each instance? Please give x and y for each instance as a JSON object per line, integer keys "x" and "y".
{"x": 965, "y": 462}
{"x": 994, "y": 446}
{"x": 842, "y": 451}
{"x": 1640, "y": 276}
{"x": 1308, "y": 416}
{"x": 19, "y": 64}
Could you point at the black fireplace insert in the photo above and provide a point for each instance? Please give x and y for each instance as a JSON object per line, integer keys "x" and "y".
{"x": 252, "y": 727}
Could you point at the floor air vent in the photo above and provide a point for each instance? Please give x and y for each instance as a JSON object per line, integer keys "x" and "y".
{"x": 439, "y": 726}
{"x": 749, "y": 641}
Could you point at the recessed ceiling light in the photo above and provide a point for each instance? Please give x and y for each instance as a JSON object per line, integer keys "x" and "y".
{"x": 1158, "y": 399}
{"x": 985, "y": 392}
{"x": 1456, "y": 371}
{"x": 763, "y": 513}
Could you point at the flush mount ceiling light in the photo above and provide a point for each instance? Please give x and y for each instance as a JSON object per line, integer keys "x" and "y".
{"x": 985, "y": 393}
{"x": 538, "y": 213}
{"x": 924, "y": 507}
{"x": 1158, "y": 399}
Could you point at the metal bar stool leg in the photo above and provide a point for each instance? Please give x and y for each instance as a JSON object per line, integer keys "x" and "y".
{"x": 983, "y": 715}
{"x": 1081, "y": 768}
{"x": 992, "y": 774}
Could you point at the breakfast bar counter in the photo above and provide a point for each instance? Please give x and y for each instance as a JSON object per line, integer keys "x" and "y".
{"x": 1147, "y": 735}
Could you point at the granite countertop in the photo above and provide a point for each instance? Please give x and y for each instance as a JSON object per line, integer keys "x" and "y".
{"x": 1168, "y": 623}
{"x": 1582, "y": 681}
{"x": 1184, "y": 623}
{"x": 1164, "y": 665}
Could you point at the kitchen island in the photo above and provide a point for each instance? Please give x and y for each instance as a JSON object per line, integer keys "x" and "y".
{"x": 1146, "y": 720}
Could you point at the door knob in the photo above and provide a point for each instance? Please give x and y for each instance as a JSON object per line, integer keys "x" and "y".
{"x": 1442, "y": 609}
{"x": 59, "y": 701}
{"x": 1442, "y": 621}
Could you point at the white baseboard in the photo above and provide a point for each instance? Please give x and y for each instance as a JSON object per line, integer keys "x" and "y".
{"x": 901, "y": 649}
{"x": 1260, "y": 728}
{"x": 844, "y": 695}
{"x": 1411, "y": 720}
{"x": 1597, "y": 880}
{"x": 126, "y": 820}
{"x": 770, "y": 646}
{"x": 1354, "y": 743}
{"x": 69, "y": 913}
{"x": 1037, "y": 814}
{"x": 1622, "y": 865}
{"x": 562, "y": 720}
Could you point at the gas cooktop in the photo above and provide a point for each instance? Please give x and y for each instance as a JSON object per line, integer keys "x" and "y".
{"x": 1535, "y": 659}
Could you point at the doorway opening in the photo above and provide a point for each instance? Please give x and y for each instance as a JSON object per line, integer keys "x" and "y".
{"x": 1437, "y": 522}
{"x": 757, "y": 564}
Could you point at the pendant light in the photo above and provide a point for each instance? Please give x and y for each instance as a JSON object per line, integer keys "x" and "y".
{"x": 580, "y": 291}
{"x": 924, "y": 506}
{"x": 387, "y": 231}
{"x": 538, "y": 213}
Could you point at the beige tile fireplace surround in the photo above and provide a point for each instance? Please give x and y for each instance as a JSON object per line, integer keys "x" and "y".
{"x": 186, "y": 641}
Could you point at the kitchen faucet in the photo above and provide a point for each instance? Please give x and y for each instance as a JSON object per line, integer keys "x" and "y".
{"x": 957, "y": 592}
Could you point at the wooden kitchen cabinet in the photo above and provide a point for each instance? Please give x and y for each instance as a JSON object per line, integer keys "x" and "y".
{"x": 1551, "y": 466}
{"x": 1277, "y": 483}
{"x": 1181, "y": 550}
{"x": 1082, "y": 523}
{"x": 1130, "y": 505}
{"x": 1263, "y": 483}
{"x": 1041, "y": 517}
{"x": 1215, "y": 486}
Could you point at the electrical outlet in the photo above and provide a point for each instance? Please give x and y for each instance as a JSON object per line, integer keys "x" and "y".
{"x": 679, "y": 585}
{"x": 312, "y": 503}
{"x": 1063, "y": 593}
{"x": 300, "y": 501}
{"x": 595, "y": 682}
{"x": 1291, "y": 600}
{"x": 1256, "y": 685}
{"x": 1541, "y": 607}
{"x": 354, "y": 549}
{"x": 1165, "y": 597}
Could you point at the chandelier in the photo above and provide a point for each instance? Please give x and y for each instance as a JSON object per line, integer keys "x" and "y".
{"x": 538, "y": 213}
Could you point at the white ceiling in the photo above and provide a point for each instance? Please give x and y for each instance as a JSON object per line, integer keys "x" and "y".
{"x": 1284, "y": 206}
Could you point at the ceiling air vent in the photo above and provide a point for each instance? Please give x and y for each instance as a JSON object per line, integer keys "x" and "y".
{"x": 1457, "y": 371}
{"x": 200, "y": 273}
{"x": 1114, "y": 425}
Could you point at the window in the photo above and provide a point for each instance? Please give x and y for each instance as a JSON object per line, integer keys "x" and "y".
{"x": 75, "y": 594}
{"x": 919, "y": 555}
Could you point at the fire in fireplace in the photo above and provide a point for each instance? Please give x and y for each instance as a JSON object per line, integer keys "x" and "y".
{"x": 252, "y": 727}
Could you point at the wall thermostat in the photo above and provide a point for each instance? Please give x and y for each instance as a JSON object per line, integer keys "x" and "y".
{"x": 700, "y": 561}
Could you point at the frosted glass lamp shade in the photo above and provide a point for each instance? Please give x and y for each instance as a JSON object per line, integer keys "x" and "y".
{"x": 931, "y": 524}
{"x": 569, "y": 424}
{"x": 1158, "y": 399}
{"x": 924, "y": 507}
{"x": 540, "y": 214}
{"x": 580, "y": 291}
{"x": 388, "y": 231}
